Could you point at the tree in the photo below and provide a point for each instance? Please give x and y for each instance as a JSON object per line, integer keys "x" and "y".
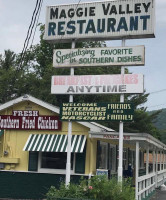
{"x": 8, "y": 76}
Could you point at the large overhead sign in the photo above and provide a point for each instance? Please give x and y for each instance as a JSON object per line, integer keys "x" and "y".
{"x": 97, "y": 84}
{"x": 29, "y": 120}
{"x": 115, "y": 56}
{"x": 96, "y": 111}
{"x": 100, "y": 20}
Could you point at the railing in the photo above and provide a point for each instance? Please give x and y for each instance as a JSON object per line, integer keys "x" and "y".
{"x": 148, "y": 183}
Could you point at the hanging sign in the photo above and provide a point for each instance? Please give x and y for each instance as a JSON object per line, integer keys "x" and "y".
{"x": 97, "y": 84}
{"x": 96, "y": 111}
{"x": 125, "y": 137}
{"x": 100, "y": 20}
{"x": 29, "y": 120}
{"x": 115, "y": 56}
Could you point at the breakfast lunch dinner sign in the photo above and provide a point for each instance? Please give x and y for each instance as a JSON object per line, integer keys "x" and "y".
{"x": 97, "y": 84}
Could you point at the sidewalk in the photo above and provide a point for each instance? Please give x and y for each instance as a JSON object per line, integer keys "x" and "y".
{"x": 159, "y": 195}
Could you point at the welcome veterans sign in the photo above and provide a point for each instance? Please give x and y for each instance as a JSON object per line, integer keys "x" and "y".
{"x": 99, "y": 57}
{"x": 97, "y": 84}
{"x": 100, "y": 20}
{"x": 96, "y": 111}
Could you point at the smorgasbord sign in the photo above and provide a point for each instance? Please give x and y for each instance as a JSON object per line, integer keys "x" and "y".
{"x": 96, "y": 111}
{"x": 114, "y": 56}
{"x": 100, "y": 20}
{"x": 97, "y": 84}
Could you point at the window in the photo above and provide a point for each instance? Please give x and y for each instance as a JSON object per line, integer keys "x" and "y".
{"x": 106, "y": 156}
{"x": 54, "y": 162}
{"x": 102, "y": 155}
{"x": 112, "y": 158}
{"x": 141, "y": 159}
{"x": 132, "y": 157}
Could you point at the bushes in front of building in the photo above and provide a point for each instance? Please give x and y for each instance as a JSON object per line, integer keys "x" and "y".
{"x": 96, "y": 188}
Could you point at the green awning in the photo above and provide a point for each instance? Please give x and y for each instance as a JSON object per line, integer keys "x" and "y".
{"x": 54, "y": 143}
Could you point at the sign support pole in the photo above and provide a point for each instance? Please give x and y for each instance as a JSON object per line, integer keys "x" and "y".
{"x": 68, "y": 164}
{"x": 120, "y": 167}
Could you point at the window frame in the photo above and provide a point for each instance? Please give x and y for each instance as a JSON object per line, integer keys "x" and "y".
{"x": 55, "y": 171}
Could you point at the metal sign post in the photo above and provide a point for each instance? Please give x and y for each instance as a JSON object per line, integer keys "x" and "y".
{"x": 120, "y": 167}
{"x": 68, "y": 163}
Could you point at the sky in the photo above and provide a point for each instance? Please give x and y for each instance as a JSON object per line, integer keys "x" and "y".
{"x": 15, "y": 17}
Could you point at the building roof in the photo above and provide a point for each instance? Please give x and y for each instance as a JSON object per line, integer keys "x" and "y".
{"x": 91, "y": 125}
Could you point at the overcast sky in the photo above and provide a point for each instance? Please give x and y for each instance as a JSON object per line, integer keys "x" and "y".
{"x": 15, "y": 17}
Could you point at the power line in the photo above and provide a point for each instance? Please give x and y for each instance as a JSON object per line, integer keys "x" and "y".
{"x": 30, "y": 29}
{"x": 36, "y": 23}
{"x": 163, "y": 90}
{"x": 156, "y": 105}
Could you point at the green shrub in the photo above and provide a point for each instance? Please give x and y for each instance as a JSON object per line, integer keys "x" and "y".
{"x": 96, "y": 188}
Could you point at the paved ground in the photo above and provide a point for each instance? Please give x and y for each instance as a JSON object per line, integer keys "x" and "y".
{"x": 160, "y": 195}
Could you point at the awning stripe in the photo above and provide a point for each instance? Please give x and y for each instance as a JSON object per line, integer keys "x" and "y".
{"x": 63, "y": 145}
{"x": 49, "y": 145}
{"x": 28, "y": 142}
{"x": 36, "y": 142}
{"x": 41, "y": 140}
{"x": 79, "y": 140}
{"x": 54, "y": 143}
{"x": 59, "y": 142}
{"x": 73, "y": 142}
{"x": 32, "y": 142}
{"x": 46, "y": 143}
{"x": 83, "y": 144}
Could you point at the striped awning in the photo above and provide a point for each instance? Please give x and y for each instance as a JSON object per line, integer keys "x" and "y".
{"x": 54, "y": 143}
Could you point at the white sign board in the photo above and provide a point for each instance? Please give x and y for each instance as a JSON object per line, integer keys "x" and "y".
{"x": 100, "y": 20}
{"x": 97, "y": 84}
{"x": 115, "y": 56}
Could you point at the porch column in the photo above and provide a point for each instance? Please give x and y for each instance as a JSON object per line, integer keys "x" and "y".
{"x": 153, "y": 160}
{"x": 163, "y": 160}
{"x": 136, "y": 170}
{"x": 147, "y": 160}
{"x": 160, "y": 159}
{"x": 156, "y": 168}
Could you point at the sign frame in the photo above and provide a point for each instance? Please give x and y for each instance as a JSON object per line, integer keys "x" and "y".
{"x": 118, "y": 19}
{"x": 97, "y": 112}
{"x": 98, "y": 84}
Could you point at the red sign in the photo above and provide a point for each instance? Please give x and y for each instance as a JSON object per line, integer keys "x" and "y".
{"x": 116, "y": 137}
{"x": 29, "y": 120}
